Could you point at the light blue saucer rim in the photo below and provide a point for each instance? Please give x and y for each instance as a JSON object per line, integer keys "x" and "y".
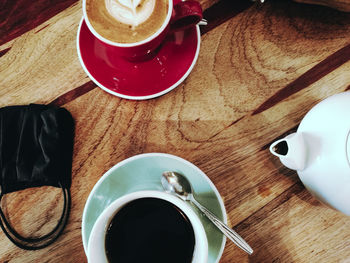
{"x": 143, "y": 155}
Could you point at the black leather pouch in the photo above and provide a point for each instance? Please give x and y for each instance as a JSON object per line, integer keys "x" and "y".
{"x": 36, "y": 147}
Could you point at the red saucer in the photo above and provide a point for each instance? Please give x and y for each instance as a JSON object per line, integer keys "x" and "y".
{"x": 138, "y": 80}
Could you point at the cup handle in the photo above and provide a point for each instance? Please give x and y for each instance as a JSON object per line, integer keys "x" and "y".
{"x": 186, "y": 14}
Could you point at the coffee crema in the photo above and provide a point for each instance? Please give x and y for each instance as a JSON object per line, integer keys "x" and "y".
{"x": 150, "y": 230}
{"x": 126, "y": 21}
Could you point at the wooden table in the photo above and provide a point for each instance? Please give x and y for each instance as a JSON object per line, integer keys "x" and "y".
{"x": 260, "y": 69}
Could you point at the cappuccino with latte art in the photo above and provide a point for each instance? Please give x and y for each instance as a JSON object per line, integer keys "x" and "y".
{"x": 127, "y": 21}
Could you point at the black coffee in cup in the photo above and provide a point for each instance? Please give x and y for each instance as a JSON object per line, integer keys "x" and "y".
{"x": 150, "y": 230}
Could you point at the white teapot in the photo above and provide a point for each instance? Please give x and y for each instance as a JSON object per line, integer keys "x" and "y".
{"x": 320, "y": 151}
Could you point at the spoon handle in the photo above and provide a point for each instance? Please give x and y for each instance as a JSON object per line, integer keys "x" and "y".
{"x": 225, "y": 229}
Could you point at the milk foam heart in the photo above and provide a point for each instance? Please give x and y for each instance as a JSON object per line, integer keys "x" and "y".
{"x": 130, "y": 12}
{"x": 126, "y": 21}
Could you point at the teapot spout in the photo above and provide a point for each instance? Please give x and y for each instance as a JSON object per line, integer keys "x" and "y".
{"x": 291, "y": 150}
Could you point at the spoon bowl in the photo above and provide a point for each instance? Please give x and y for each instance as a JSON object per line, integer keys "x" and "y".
{"x": 177, "y": 184}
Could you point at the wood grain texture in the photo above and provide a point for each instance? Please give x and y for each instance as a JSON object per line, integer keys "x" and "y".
{"x": 18, "y": 17}
{"x": 311, "y": 76}
{"x": 343, "y": 5}
{"x": 222, "y": 11}
{"x": 209, "y": 120}
{"x": 42, "y": 64}
{"x": 297, "y": 237}
{"x": 4, "y": 51}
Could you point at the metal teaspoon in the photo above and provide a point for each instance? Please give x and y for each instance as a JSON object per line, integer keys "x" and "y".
{"x": 178, "y": 184}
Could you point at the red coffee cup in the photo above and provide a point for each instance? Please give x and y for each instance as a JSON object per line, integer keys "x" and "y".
{"x": 181, "y": 15}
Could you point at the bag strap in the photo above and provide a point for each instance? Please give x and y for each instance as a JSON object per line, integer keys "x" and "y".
{"x": 43, "y": 241}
